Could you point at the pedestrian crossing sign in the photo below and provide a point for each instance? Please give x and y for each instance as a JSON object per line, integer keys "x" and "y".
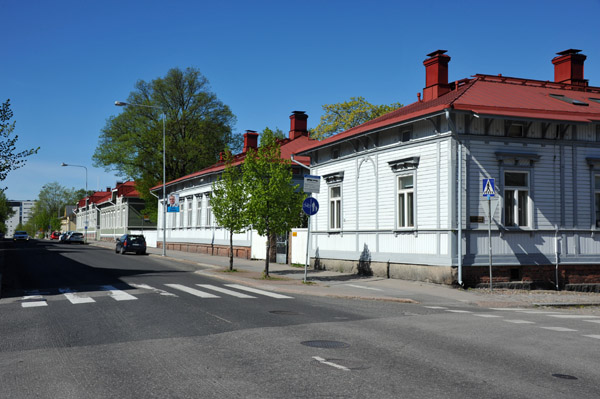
{"x": 489, "y": 188}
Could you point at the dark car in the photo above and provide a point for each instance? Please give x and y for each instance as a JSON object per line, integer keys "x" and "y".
{"x": 20, "y": 236}
{"x": 131, "y": 243}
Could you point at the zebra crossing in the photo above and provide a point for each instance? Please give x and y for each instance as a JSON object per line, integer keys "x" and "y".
{"x": 37, "y": 298}
{"x": 547, "y": 318}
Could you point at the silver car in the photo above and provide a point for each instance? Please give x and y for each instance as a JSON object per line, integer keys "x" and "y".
{"x": 75, "y": 238}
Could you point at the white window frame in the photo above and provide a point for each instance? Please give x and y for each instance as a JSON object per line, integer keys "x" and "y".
{"x": 198, "y": 210}
{"x": 406, "y": 202}
{"x": 190, "y": 202}
{"x": 513, "y": 197}
{"x": 181, "y": 212}
{"x": 597, "y": 199}
{"x": 335, "y": 208}
{"x": 209, "y": 216}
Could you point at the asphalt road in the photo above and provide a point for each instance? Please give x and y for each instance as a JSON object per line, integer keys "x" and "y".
{"x": 84, "y": 322}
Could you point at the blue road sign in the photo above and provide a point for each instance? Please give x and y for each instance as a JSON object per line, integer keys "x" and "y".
{"x": 310, "y": 206}
{"x": 488, "y": 188}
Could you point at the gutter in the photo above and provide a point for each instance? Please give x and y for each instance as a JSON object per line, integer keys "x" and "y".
{"x": 458, "y": 197}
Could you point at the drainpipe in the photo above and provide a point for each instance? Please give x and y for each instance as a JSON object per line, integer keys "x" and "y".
{"x": 459, "y": 197}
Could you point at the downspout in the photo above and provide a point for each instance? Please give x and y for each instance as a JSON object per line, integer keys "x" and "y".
{"x": 459, "y": 197}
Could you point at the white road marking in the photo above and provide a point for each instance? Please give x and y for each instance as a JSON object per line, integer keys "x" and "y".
{"x": 34, "y": 304}
{"x": 435, "y": 307}
{"x": 485, "y": 315}
{"x": 260, "y": 292}
{"x": 537, "y": 312}
{"x": 561, "y": 329}
{"x": 520, "y": 321}
{"x": 572, "y": 316}
{"x": 118, "y": 295}
{"x": 225, "y": 291}
{"x": 155, "y": 290}
{"x": 74, "y": 297}
{"x": 192, "y": 291}
{"x": 593, "y": 336}
{"x": 323, "y": 361}
{"x": 508, "y": 309}
{"x": 592, "y": 321}
{"x": 364, "y": 288}
{"x": 458, "y": 311}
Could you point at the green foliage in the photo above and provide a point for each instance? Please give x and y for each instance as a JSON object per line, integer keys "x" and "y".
{"x": 9, "y": 159}
{"x": 229, "y": 200}
{"x": 198, "y": 127}
{"x": 274, "y": 205}
{"x": 50, "y": 206}
{"x": 343, "y": 116}
{"x": 6, "y": 212}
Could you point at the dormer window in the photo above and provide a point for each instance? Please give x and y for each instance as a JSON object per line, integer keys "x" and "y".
{"x": 569, "y": 100}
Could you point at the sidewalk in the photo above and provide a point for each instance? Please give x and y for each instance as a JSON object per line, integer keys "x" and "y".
{"x": 288, "y": 279}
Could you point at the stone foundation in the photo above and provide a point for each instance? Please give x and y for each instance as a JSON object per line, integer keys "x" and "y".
{"x": 218, "y": 250}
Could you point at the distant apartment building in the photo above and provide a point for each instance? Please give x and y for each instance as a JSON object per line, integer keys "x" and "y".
{"x": 23, "y": 211}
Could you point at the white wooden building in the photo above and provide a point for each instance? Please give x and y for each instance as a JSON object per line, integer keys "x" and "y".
{"x": 401, "y": 195}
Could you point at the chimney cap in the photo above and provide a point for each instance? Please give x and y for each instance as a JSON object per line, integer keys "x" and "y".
{"x": 298, "y": 112}
{"x": 437, "y": 52}
{"x": 250, "y": 131}
{"x": 569, "y": 51}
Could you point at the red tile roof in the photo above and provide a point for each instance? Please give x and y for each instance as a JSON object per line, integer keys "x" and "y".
{"x": 126, "y": 190}
{"x": 288, "y": 147}
{"x": 492, "y": 95}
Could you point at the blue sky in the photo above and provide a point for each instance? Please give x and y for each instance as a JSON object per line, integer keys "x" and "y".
{"x": 64, "y": 63}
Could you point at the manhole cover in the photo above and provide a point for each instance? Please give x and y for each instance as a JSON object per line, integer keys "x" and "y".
{"x": 326, "y": 344}
{"x": 564, "y": 376}
{"x": 284, "y": 312}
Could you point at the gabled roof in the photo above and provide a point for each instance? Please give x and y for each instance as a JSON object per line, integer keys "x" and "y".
{"x": 288, "y": 147}
{"x": 126, "y": 190}
{"x": 495, "y": 96}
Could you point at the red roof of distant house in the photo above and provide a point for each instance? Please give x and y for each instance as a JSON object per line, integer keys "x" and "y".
{"x": 288, "y": 147}
{"x": 493, "y": 95}
{"x": 126, "y": 190}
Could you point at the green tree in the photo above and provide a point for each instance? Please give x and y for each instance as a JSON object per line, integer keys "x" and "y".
{"x": 198, "y": 127}
{"x": 343, "y": 116}
{"x": 9, "y": 158}
{"x": 50, "y": 205}
{"x": 6, "y": 211}
{"x": 229, "y": 200}
{"x": 274, "y": 205}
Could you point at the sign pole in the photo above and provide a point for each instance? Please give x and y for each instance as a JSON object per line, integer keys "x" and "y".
{"x": 307, "y": 251}
{"x": 310, "y": 206}
{"x": 490, "y": 236}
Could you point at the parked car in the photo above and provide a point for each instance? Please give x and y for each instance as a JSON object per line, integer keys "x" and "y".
{"x": 55, "y": 235}
{"x": 63, "y": 237}
{"x": 75, "y": 237}
{"x": 131, "y": 243}
{"x": 20, "y": 236}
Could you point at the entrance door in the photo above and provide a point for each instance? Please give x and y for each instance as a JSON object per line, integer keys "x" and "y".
{"x": 282, "y": 249}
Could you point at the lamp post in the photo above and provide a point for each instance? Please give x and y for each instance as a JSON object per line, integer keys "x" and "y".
{"x": 86, "y": 197}
{"x": 164, "y": 188}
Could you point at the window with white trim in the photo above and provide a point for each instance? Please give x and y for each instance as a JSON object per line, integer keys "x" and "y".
{"x": 181, "y": 212}
{"x": 198, "y": 210}
{"x": 406, "y": 201}
{"x": 208, "y": 211}
{"x": 335, "y": 207}
{"x": 516, "y": 199}
{"x": 189, "y": 212}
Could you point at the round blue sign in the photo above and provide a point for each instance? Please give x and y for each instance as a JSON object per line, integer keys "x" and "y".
{"x": 310, "y": 206}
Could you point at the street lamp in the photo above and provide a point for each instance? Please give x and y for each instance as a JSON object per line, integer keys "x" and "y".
{"x": 164, "y": 188}
{"x": 86, "y": 197}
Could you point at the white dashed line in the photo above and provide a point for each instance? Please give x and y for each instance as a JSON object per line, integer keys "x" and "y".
{"x": 116, "y": 294}
{"x": 593, "y": 336}
{"x": 515, "y": 309}
{"x": 520, "y": 321}
{"x": 34, "y": 304}
{"x": 155, "y": 290}
{"x": 435, "y": 307}
{"x": 74, "y": 297}
{"x": 485, "y": 315}
{"x": 323, "y": 361}
{"x": 561, "y": 329}
{"x": 192, "y": 291}
{"x": 592, "y": 321}
{"x": 537, "y": 312}
{"x": 572, "y": 316}
{"x": 257, "y": 291}
{"x": 225, "y": 291}
{"x": 458, "y": 311}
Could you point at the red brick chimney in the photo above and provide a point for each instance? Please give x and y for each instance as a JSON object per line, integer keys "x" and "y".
{"x": 250, "y": 140}
{"x": 298, "y": 124}
{"x": 436, "y": 75}
{"x": 568, "y": 67}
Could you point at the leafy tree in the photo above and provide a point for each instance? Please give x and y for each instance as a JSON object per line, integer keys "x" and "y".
{"x": 6, "y": 211}
{"x": 9, "y": 159}
{"x": 343, "y": 116}
{"x": 274, "y": 205}
{"x": 50, "y": 205}
{"x": 229, "y": 200}
{"x": 198, "y": 127}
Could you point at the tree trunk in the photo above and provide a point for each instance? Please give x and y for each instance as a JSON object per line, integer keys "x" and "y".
{"x": 266, "y": 272}
{"x": 230, "y": 250}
